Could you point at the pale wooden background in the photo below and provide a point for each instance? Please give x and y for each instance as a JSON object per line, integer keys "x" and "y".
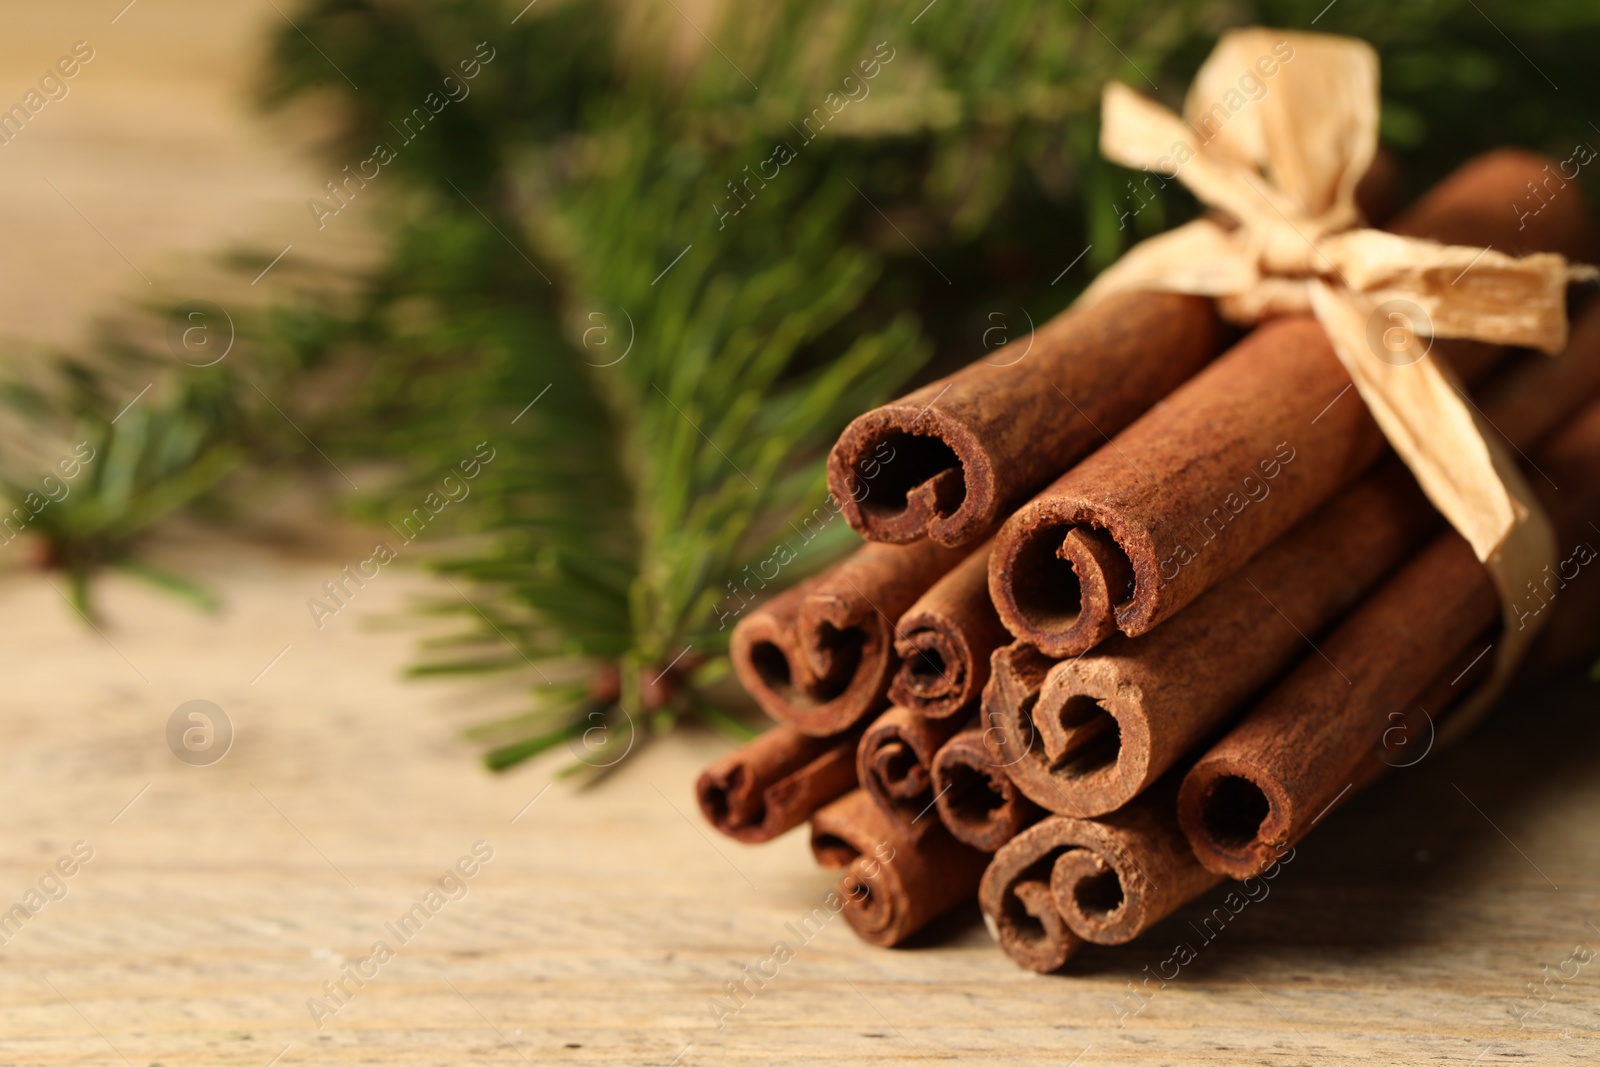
{"x": 222, "y": 897}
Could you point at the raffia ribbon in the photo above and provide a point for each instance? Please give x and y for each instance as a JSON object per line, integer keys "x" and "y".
{"x": 1284, "y": 166}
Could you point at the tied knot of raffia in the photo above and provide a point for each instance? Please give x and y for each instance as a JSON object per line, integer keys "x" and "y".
{"x": 1281, "y": 248}
{"x": 1278, "y": 129}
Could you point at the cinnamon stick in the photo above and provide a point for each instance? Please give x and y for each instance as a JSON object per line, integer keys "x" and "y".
{"x": 1018, "y": 673}
{"x": 894, "y": 763}
{"x": 945, "y": 640}
{"x": 1232, "y": 459}
{"x": 1126, "y": 871}
{"x": 1307, "y": 744}
{"x": 1262, "y": 787}
{"x": 978, "y": 802}
{"x": 892, "y": 886}
{"x": 820, "y": 656}
{"x": 1113, "y": 877}
{"x": 1409, "y": 733}
{"x": 775, "y": 782}
{"x": 1158, "y": 696}
{"x": 1113, "y": 721}
{"x": 967, "y": 448}
{"x": 1018, "y": 906}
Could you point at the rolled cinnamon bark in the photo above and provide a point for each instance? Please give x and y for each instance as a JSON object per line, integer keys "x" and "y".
{"x": 1231, "y": 460}
{"x": 1165, "y": 692}
{"x": 967, "y": 448}
{"x": 1409, "y": 733}
{"x": 1111, "y": 878}
{"x": 1263, "y": 786}
{"x": 894, "y": 763}
{"x": 1018, "y": 906}
{"x": 820, "y": 656}
{"x": 978, "y": 802}
{"x": 945, "y": 640}
{"x": 1129, "y": 505}
{"x": 892, "y": 886}
{"x": 1017, "y": 673}
{"x": 845, "y": 830}
{"x": 775, "y": 782}
{"x": 1124, "y": 872}
{"x": 1111, "y": 722}
{"x": 1308, "y": 743}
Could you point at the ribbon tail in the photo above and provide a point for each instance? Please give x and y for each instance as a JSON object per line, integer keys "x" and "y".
{"x": 1462, "y": 467}
{"x": 1457, "y": 291}
{"x": 1199, "y": 257}
{"x": 1140, "y": 133}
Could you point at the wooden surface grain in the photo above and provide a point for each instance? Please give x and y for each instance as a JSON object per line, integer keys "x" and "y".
{"x": 220, "y": 899}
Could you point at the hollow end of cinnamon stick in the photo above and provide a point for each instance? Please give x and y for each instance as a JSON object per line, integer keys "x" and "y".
{"x": 845, "y": 628}
{"x": 936, "y": 667}
{"x": 842, "y": 831}
{"x": 1058, "y": 580}
{"x": 944, "y": 642}
{"x": 1109, "y": 879}
{"x": 1018, "y": 673}
{"x": 1018, "y": 906}
{"x": 978, "y": 801}
{"x": 821, "y": 656}
{"x": 1082, "y": 739}
{"x": 888, "y": 901}
{"x": 946, "y": 461}
{"x": 894, "y": 763}
{"x": 768, "y": 659}
{"x": 1121, "y": 874}
{"x": 937, "y": 480}
{"x": 1237, "y": 817}
{"x": 892, "y": 886}
{"x": 839, "y": 635}
{"x": 872, "y": 908}
{"x": 1090, "y": 895}
{"x": 1094, "y": 739}
{"x": 1062, "y": 752}
{"x": 775, "y": 782}
{"x": 767, "y": 667}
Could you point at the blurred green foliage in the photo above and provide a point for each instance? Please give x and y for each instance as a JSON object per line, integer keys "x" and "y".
{"x": 611, "y": 181}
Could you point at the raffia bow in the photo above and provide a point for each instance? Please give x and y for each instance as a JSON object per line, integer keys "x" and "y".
{"x": 1284, "y": 165}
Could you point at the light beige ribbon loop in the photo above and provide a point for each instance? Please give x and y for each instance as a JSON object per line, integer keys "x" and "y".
{"x": 1278, "y": 129}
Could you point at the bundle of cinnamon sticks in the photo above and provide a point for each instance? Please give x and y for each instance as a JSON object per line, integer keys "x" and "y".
{"x": 1139, "y": 610}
